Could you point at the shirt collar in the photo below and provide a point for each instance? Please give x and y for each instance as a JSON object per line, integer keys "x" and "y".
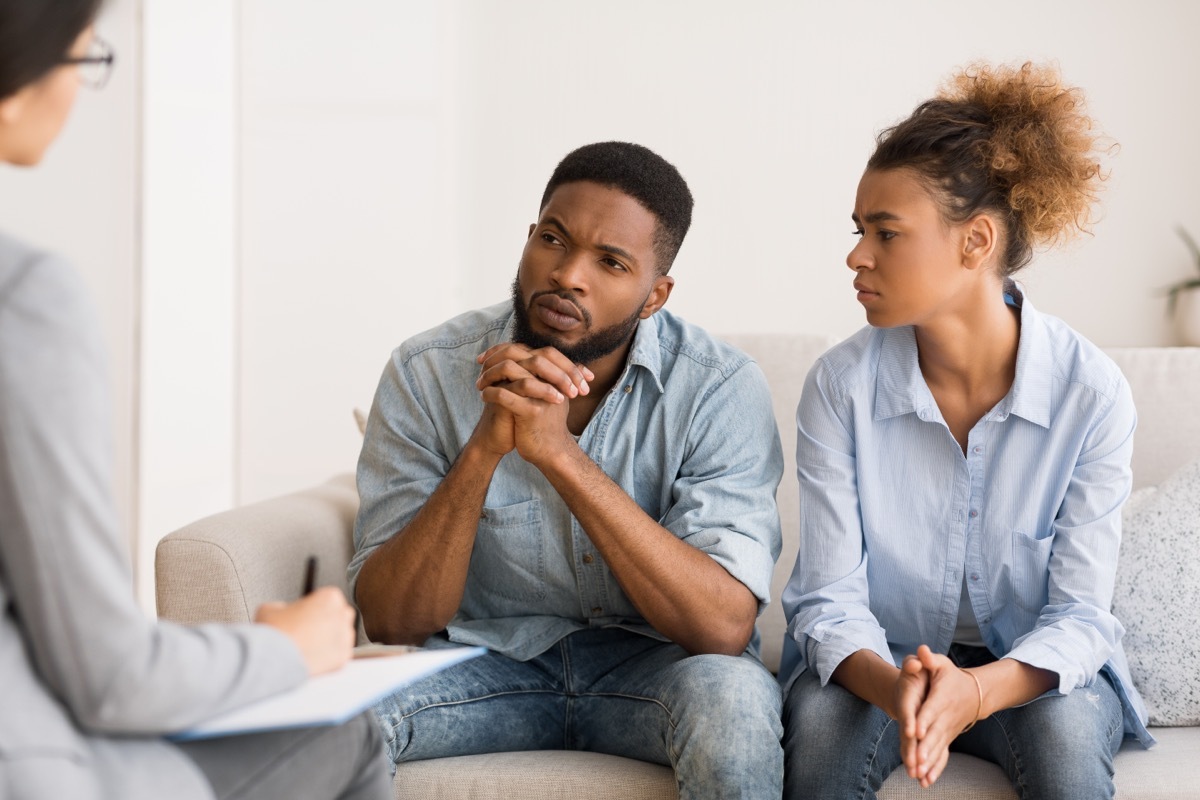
{"x": 901, "y": 389}
{"x": 899, "y": 385}
{"x": 1030, "y": 396}
{"x": 645, "y": 351}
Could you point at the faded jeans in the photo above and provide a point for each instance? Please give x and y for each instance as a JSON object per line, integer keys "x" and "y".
{"x": 1056, "y": 747}
{"x": 713, "y": 718}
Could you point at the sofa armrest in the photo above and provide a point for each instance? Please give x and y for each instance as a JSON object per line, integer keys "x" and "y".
{"x": 221, "y": 568}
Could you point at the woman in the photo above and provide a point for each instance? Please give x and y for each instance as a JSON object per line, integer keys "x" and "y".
{"x": 962, "y": 462}
{"x": 88, "y": 685}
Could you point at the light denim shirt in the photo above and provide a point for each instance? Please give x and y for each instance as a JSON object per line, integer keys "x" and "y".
{"x": 687, "y": 432}
{"x": 893, "y": 514}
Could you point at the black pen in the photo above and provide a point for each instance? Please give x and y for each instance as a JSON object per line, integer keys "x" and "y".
{"x": 310, "y": 575}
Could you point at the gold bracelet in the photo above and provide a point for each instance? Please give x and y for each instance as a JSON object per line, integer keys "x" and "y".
{"x": 979, "y": 710}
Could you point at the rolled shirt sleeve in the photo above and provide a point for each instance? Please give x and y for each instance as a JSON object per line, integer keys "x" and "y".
{"x": 827, "y": 599}
{"x": 725, "y": 490}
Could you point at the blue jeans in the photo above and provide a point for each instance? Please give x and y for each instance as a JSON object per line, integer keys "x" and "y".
{"x": 714, "y": 719}
{"x": 840, "y": 746}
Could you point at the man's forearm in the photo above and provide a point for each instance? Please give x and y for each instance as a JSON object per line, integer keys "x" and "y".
{"x": 681, "y": 591}
{"x": 412, "y": 586}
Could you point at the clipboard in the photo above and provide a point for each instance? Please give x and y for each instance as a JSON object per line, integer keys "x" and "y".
{"x": 333, "y": 698}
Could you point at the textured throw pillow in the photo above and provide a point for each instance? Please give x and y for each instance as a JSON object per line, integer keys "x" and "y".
{"x": 1157, "y": 596}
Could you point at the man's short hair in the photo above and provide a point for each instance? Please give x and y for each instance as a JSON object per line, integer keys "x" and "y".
{"x": 643, "y": 175}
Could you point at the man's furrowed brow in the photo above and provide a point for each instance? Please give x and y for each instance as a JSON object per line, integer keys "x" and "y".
{"x": 617, "y": 251}
{"x": 555, "y": 222}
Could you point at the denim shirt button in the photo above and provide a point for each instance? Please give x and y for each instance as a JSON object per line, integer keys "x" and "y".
{"x": 587, "y": 559}
{"x": 483, "y": 514}
{"x": 597, "y": 610}
{"x": 628, "y": 388}
{"x": 974, "y": 513}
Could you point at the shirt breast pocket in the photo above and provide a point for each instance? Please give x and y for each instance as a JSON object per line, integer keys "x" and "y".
{"x": 508, "y": 564}
{"x": 1030, "y": 570}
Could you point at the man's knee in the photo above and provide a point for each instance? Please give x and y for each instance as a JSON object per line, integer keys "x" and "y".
{"x": 724, "y": 686}
{"x": 729, "y": 708}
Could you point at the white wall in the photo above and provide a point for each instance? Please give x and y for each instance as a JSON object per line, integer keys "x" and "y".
{"x": 348, "y": 241}
{"x": 189, "y": 269}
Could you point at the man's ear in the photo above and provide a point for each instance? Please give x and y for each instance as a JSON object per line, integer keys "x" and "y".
{"x": 980, "y": 241}
{"x": 532, "y": 227}
{"x": 663, "y": 284}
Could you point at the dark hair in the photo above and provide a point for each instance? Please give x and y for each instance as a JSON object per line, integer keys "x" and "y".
{"x": 35, "y": 35}
{"x": 643, "y": 175}
{"x": 1010, "y": 140}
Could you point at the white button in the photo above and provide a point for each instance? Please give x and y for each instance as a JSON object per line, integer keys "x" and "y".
{"x": 974, "y": 513}
{"x": 978, "y": 450}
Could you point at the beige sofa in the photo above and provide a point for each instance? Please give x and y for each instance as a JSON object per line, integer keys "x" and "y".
{"x": 222, "y": 567}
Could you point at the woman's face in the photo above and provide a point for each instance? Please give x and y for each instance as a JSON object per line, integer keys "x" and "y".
{"x": 32, "y": 118}
{"x": 908, "y": 261}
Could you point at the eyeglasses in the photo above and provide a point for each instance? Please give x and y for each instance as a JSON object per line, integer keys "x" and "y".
{"x": 96, "y": 65}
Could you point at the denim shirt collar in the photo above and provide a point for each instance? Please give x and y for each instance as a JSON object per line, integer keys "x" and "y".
{"x": 646, "y": 352}
{"x": 901, "y": 389}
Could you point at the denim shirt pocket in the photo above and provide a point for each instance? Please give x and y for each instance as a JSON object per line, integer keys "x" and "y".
{"x": 508, "y": 564}
{"x": 1030, "y": 567}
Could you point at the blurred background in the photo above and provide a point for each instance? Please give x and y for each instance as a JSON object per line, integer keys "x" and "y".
{"x": 270, "y": 195}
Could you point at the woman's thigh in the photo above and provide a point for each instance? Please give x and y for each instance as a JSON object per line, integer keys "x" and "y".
{"x": 836, "y": 745}
{"x": 1060, "y": 746}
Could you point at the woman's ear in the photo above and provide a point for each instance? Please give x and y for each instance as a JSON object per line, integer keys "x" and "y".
{"x": 980, "y": 240}
{"x": 12, "y": 106}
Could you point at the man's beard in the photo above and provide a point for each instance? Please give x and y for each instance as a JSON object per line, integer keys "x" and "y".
{"x": 587, "y": 350}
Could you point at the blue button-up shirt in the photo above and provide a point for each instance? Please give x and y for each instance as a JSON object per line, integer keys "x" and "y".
{"x": 894, "y": 516}
{"x": 688, "y": 432}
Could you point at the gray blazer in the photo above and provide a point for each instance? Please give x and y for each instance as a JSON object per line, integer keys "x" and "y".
{"x": 88, "y": 684}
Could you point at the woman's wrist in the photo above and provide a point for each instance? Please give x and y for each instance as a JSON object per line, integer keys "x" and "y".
{"x": 979, "y": 707}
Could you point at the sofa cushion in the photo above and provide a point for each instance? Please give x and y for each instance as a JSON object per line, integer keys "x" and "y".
{"x": 1157, "y": 596}
{"x": 1166, "y": 384}
{"x": 543, "y": 775}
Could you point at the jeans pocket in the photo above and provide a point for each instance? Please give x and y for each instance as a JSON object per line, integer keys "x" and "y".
{"x": 1031, "y": 570}
{"x": 508, "y": 564}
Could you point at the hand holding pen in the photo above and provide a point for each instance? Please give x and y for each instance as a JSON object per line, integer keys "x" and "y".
{"x": 320, "y": 623}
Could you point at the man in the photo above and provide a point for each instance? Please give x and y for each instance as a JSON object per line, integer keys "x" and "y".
{"x": 584, "y": 484}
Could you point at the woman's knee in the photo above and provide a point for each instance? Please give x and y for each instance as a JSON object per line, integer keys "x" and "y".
{"x": 835, "y": 743}
{"x": 1063, "y": 746}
